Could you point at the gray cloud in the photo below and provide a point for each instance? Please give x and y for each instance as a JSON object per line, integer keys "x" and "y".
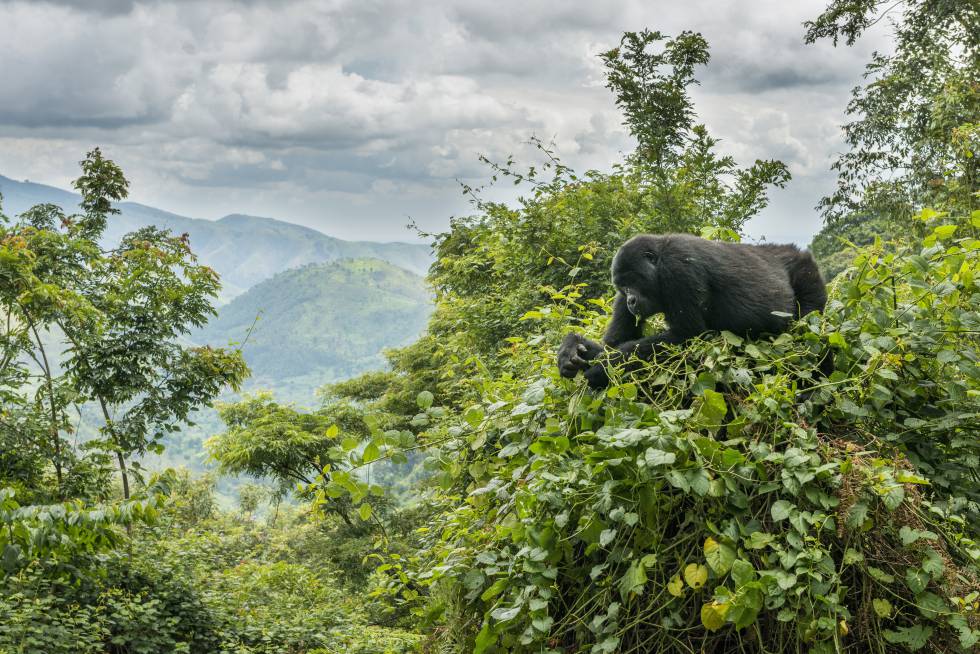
{"x": 349, "y": 115}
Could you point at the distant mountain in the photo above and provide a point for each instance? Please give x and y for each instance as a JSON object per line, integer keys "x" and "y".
{"x": 322, "y": 323}
{"x": 243, "y": 249}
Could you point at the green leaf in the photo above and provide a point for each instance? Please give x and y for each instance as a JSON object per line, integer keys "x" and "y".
{"x": 909, "y": 535}
{"x": 880, "y": 575}
{"x": 371, "y": 452}
{"x": 505, "y": 613}
{"x": 495, "y": 589}
{"x": 742, "y": 572}
{"x": 655, "y": 457}
{"x": 633, "y": 581}
{"x": 365, "y": 512}
{"x": 916, "y": 580}
{"x": 424, "y": 399}
{"x": 732, "y": 338}
{"x": 675, "y": 586}
{"x": 713, "y": 409}
{"x": 882, "y": 607}
{"x": 933, "y": 564}
{"x": 473, "y": 415}
{"x": 718, "y": 555}
{"x": 484, "y": 639}
{"x": 781, "y": 510}
{"x": 914, "y": 638}
{"x": 758, "y": 540}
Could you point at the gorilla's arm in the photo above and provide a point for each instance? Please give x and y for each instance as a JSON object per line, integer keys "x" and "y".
{"x": 640, "y": 349}
{"x": 684, "y": 311}
{"x": 577, "y": 352}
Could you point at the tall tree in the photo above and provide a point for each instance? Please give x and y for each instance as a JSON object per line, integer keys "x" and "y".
{"x": 121, "y": 313}
{"x": 913, "y": 131}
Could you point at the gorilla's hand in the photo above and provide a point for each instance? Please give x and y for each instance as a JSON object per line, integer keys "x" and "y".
{"x": 597, "y": 375}
{"x": 575, "y": 353}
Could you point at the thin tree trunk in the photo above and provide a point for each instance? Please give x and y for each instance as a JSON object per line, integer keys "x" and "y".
{"x": 119, "y": 455}
{"x": 122, "y": 471}
{"x": 55, "y": 440}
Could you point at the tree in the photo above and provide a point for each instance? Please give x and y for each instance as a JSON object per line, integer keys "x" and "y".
{"x": 265, "y": 439}
{"x": 102, "y": 326}
{"x": 913, "y": 133}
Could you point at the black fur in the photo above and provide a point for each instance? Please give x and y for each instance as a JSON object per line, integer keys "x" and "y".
{"x": 699, "y": 286}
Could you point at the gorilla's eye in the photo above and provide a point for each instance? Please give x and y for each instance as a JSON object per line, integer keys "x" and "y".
{"x": 651, "y": 257}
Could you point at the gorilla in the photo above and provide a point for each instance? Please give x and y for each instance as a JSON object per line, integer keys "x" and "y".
{"x": 699, "y": 286}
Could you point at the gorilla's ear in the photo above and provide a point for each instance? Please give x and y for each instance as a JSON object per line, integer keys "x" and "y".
{"x": 652, "y": 257}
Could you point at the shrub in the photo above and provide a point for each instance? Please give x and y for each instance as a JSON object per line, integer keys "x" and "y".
{"x": 699, "y": 505}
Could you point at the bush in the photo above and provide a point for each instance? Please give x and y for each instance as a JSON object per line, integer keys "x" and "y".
{"x": 698, "y": 505}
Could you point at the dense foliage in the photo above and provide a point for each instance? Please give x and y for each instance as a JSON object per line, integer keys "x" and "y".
{"x": 703, "y": 503}
{"x": 699, "y": 505}
{"x": 726, "y": 497}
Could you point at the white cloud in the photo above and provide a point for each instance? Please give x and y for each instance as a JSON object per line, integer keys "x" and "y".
{"x": 348, "y": 115}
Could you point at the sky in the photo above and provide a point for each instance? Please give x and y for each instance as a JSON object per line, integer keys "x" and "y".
{"x": 357, "y": 117}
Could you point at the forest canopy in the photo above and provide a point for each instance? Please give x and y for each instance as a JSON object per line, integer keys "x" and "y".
{"x": 725, "y": 497}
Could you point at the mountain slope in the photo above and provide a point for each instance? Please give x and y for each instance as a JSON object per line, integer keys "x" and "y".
{"x": 243, "y": 249}
{"x": 321, "y": 323}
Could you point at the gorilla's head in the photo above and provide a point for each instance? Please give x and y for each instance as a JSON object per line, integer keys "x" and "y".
{"x": 635, "y": 273}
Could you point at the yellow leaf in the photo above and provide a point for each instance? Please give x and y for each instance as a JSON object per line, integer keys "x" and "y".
{"x": 713, "y": 615}
{"x": 675, "y": 586}
{"x": 695, "y": 575}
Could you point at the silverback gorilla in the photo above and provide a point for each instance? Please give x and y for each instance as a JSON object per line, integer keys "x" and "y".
{"x": 699, "y": 286}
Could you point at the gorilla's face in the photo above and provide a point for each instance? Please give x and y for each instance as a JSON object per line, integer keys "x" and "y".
{"x": 635, "y": 273}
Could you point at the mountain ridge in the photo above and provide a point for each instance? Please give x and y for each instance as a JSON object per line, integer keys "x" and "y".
{"x": 244, "y": 249}
{"x": 321, "y": 322}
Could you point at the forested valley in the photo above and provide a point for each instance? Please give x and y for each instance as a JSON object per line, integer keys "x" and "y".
{"x": 457, "y": 494}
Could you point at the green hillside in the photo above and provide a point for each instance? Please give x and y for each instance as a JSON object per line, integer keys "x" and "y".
{"x": 243, "y": 249}
{"x": 322, "y": 322}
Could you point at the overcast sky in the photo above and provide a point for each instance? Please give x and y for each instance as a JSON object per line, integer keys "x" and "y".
{"x": 352, "y": 116}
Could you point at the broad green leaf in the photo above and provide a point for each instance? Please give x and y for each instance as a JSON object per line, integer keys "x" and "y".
{"x": 484, "y": 639}
{"x": 371, "y": 452}
{"x": 655, "y": 457}
{"x": 882, "y": 607}
{"x": 424, "y": 399}
{"x": 781, "y": 510}
{"x": 916, "y": 580}
{"x": 633, "y": 581}
{"x": 915, "y": 637}
{"x": 742, "y": 572}
{"x": 473, "y": 415}
{"x": 718, "y": 555}
{"x": 505, "y": 613}
{"x": 495, "y": 589}
{"x": 364, "y": 511}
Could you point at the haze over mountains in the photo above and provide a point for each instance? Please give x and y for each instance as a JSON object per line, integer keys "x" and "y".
{"x": 321, "y": 323}
{"x": 243, "y": 249}
{"x": 315, "y": 309}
